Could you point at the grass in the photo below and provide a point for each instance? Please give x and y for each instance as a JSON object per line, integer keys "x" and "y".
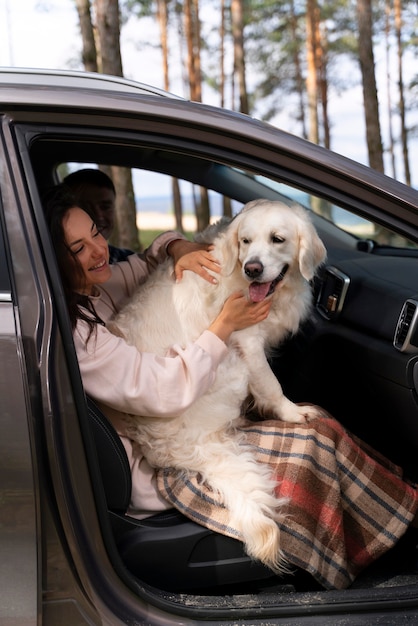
{"x": 148, "y": 236}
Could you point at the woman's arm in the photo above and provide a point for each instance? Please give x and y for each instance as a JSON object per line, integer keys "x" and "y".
{"x": 192, "y": 256}
{"x": 142, "y": 383}
{"x": 158, "y": 251}
{"x": 186, "y": 255}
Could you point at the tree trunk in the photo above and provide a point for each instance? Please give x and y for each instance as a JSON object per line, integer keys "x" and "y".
{"x": 89, "y": 55}
{"x": 404, "y": 130}
{"x": 222, "y": 55}
{"x": 226, "y": 202}
{"x": 237, "y": 21}
{"x": 371, "y": 104}
{"x": 108, "y": 30}
{"x": 192, "y": 32}
{"x": 300, "y": 83}
{"x": 162, "y": 17}
{"x": 391, "y": 147}
{"x": 311, "y": 79}
{"x": 322, "y": 66}
{"x": 125, "y": 209}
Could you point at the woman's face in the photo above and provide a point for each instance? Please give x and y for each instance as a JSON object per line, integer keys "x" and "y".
{"x": 89, "y": 247}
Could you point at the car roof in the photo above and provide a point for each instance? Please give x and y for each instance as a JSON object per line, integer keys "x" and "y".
{"x": 30, "y": 94}
{"x": 20, "y": 78}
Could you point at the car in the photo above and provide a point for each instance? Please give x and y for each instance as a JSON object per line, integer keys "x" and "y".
{"x": 70, "y": 554}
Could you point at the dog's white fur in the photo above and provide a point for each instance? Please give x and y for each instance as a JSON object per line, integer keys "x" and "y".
{"x": 262, "y": 239}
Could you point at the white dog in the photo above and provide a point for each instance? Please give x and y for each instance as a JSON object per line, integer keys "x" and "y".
{"x": 268, "y": 250}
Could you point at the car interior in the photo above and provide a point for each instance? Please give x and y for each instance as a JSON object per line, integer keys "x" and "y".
{"x": 357, "y": 356}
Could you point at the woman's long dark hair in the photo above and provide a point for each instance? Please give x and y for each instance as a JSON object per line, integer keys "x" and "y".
{"x": 57, "y": 202}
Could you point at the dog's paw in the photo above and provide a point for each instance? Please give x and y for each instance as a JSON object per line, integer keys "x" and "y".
{"x": 312, "y": 411}
{"x": 290, "y": 412}
{"x": 301, "y": 413}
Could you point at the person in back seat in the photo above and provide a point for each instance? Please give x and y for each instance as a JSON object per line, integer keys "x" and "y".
{"x": 96, "y": 190}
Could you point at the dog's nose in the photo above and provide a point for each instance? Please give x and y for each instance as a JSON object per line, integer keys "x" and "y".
{"x": 253, "y": 269}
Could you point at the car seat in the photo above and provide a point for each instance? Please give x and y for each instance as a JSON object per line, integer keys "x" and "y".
{"x": 167, "y": 550}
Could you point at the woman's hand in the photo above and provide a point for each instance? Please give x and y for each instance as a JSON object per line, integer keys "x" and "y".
{"x": 196, "y": 257}
{"x": 238, "y": 313}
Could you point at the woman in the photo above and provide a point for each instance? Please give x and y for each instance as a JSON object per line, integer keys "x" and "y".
{"x": 347, "y": 504}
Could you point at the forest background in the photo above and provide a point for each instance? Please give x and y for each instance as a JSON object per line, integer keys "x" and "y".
{"x": 332, "y": 72}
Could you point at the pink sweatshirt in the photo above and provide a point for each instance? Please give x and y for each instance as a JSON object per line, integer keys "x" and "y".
{"x": 122, "y": 380}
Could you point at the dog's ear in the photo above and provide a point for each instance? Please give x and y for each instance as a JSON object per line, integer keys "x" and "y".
{"x": 312, "y": 251}
{"x": 228, "y": 246}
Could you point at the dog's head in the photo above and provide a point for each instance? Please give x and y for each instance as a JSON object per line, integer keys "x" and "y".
{"x": 267, "y": 239}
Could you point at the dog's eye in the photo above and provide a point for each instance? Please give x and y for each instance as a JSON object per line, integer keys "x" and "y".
{"x": 245, "y": 240}
{"x": 277, "y": 239}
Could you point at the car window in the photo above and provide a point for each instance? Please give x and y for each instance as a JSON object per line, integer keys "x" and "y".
{"x": 155, "y": 211}
{"x": 154, "y": 200}
{"x": 348, "y": 221}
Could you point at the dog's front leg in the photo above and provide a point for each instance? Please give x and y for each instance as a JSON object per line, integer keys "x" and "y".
{"x": 266, "y": 389}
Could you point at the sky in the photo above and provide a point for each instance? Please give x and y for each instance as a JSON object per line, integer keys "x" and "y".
{"x": 45, "y": 34}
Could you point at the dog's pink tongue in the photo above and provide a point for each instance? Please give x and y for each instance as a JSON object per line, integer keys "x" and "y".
{"x": 258, "y": 291}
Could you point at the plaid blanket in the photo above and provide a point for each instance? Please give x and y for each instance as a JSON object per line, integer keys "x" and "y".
{"x": 347, "y": 503}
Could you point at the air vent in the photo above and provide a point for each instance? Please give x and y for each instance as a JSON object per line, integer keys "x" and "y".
{"x": 406, "y": 333}
{"x": 332, "y": 293}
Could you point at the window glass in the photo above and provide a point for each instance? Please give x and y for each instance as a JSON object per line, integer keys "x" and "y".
{"x": 346, "y": 220}
{"x": 155, "y": 206}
